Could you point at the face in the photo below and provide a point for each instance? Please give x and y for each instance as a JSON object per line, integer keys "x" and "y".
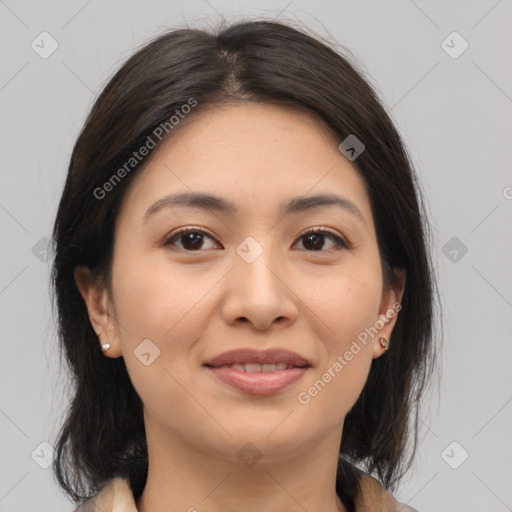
{"x": 253, "y": 276}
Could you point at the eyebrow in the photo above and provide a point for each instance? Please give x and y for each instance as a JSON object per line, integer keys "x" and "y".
{"x": 211, "y": 202}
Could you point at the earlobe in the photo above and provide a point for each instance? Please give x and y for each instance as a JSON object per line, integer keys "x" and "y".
{"x": 95, "y": 296}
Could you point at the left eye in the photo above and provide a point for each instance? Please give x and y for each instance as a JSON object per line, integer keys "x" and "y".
{"x": 314, "y": 239}
{"x": 192, "y": 239}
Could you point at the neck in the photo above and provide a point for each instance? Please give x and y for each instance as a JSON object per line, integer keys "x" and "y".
{"x": 186, "y": 478}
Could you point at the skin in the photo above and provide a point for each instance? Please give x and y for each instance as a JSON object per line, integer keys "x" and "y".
{"x": 199, "y": 303}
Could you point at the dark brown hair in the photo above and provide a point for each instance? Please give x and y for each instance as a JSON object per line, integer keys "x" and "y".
{"x": 256, "y": 61}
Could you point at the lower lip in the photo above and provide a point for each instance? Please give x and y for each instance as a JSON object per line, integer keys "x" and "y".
{"x": 258, "y": 383}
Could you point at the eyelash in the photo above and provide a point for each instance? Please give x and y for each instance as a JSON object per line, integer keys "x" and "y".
{"x": 340, "y": 242}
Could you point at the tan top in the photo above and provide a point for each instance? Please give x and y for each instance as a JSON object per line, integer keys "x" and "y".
{"x": 117, "y": 496}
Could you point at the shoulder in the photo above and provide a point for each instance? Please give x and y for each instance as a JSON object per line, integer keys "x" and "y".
{"x": 374, "y": 497}
{"x": 116, "y": 496}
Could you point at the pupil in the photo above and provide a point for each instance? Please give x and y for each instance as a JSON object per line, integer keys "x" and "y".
{"x": 193, "y": 239}
{"x": 316, "y": 240}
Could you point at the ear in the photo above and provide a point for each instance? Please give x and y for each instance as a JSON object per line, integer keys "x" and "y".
{"x": 388, "y": 312}
{"x": 101, "y": 313}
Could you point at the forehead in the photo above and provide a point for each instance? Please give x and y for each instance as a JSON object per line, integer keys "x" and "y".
{"x": 253, "y": 154}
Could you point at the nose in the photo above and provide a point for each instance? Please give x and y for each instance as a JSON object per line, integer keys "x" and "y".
{"x": 258, "y": 294}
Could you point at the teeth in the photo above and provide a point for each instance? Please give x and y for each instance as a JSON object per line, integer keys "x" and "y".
{"x": 255, "y": 367}
{"x": 274, "y": 367}
{"x": 252, "y": 367}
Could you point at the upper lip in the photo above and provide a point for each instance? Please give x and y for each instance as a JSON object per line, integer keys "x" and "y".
{"x": 244, "y": 356}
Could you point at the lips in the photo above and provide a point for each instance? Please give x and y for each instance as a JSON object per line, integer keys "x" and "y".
{"x": 258, "y": 372}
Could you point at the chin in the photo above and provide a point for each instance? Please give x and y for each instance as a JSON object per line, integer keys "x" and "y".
{"x": 272, "y": 436}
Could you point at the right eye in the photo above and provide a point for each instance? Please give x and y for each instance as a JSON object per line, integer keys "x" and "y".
{"x": 191, "y": 238}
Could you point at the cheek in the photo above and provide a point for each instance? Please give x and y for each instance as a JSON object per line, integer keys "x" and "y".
{"x": 169, "y": 306}
{"x": 346, "y": 308}
{"x": 346, "y": 303}
{"x": 157, "y": 300}
{"x": 156, "y": 303}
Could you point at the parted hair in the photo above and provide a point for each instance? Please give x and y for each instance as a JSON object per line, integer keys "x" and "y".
{"x": 103, "y": 433}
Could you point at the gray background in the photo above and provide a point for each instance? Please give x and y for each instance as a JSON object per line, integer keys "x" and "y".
{"x": 455, "y": 116}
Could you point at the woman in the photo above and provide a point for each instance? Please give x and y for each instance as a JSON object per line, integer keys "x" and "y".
{"x": 243, "y": 284}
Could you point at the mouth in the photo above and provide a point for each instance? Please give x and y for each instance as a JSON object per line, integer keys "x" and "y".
{"x": 257, "y": 367}
{"x": 257, "y": 372}
{"x": 259, "y": 360}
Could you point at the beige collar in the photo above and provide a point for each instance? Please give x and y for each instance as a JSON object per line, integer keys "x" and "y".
{"x": 117, "y": 496}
